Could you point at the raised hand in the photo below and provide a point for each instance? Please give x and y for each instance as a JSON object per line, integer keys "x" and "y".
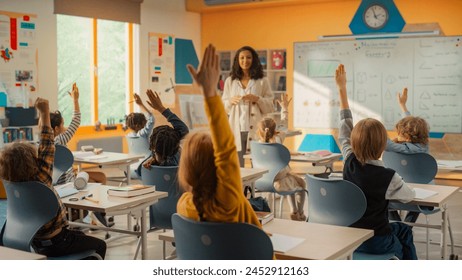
{"x": 42, "y": 105}
{"x": 209, "y": 71}
{"x": 75, "y": 92}
{"x": 154, "y": 101}
{"x": 284, "y": 102}
{"x": 402, "y": 99}
{"x": 340, "y": 80}
{"x": 137, "y": 99}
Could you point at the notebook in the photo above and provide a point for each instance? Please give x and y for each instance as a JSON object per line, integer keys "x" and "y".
{"x": 66, "y": 189}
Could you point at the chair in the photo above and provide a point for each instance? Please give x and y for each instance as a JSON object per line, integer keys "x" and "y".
{"x": 30, "y": 206}
{"x": 62, "y": 162}
{"x": 420, "y": 168}
{"x": 137, "y": 146}
{"x": 273, "y": 157}
{"x": 220, "y": 241}
{"x": 338, "y": 202}
{"x": 164, "y": 178}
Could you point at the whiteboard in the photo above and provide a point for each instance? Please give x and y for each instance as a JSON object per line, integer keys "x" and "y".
{"x": 431, "y": 69}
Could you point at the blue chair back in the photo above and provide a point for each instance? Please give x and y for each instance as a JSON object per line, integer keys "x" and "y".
{"x": 334, "y": 202}
{"x": 62, "y": 162}
{"x": 137, "y": 145}
{"x": 220, "y": 241}
{"x": 165, "y": 179}
{"x": 418, "y": 168}
{"x": 30, "y": 206}
{"x": 271, "y": 156}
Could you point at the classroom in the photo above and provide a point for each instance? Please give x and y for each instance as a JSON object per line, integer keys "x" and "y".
{"x": 173, "y": 33}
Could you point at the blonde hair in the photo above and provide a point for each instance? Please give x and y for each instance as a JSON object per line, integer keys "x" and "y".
{"x": 18, "y": 162}
{"x": 368, "y": 140}
{"x": 413, "y": 128}
{"x": 197, "y": 172}
{"x": 267, "y": 130}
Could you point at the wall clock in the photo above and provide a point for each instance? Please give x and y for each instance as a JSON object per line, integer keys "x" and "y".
{"x": 377, "y": 16}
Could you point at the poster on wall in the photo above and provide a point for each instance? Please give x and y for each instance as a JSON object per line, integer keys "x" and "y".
{"x": 18, "y": 59}
{"x": 162, "y": 67}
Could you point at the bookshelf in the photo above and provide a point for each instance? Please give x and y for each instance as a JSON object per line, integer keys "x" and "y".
{"x": 274, "y": 67}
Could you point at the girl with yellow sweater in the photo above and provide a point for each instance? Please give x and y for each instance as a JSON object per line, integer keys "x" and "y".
{"x": 209, "y": 169}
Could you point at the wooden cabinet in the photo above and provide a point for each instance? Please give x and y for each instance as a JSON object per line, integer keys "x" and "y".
{"x": 274, "y": 67}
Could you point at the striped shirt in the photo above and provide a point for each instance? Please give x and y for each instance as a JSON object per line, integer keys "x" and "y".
{"x": 62, "y": 139}
{"x": 46, "y": 153}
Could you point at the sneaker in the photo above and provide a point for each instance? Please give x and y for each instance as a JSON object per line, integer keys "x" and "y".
{"x": 100, "y": 219}
{"x": 302, "y": 217}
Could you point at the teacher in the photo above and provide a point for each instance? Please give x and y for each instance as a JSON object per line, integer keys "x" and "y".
{"x": 247, "y": 98}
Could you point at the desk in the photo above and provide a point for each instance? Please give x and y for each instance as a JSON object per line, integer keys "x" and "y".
{"x": 439, "y": 200}
{"x": 13, "y": 254}
{"x": 113, "y": 205}
{"x": 327, "y": 161}
{"x": 108, "y": 158}
{"x": 322, "y": 242}
{"x": 450, "y": 165}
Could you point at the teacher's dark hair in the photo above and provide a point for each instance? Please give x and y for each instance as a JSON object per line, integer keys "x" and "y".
{"x": 256, "y": 69}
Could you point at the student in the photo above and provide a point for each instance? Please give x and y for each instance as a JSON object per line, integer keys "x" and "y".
{"x": 209, "y": 170}
{"x": 247, "y": 97}
{"x": 412, "y": 138}
{"x": 22, "y": 162}
{"x": 164, "y": 141}
{"x": 141, "y": 127}
{"x": 362, "y": 146}
{"x": 285, "y": 180}
{"x": 63, "y": 136}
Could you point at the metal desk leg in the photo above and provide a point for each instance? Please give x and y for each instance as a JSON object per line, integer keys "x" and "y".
{"x": 444, "y": 228}
{"x": 144, "y": 235}
{"x": 128, "y": 174}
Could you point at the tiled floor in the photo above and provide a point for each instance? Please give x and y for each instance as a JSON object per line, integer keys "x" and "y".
{"x": 125, "y": 247}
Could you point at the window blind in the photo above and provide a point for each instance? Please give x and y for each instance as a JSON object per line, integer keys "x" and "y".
{"x": 118, "y": 10}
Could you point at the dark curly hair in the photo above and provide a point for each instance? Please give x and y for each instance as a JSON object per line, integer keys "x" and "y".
{"x": 256, "y": 69}
{"x": 135, "y": 121}
{"x": 164, "y": 141}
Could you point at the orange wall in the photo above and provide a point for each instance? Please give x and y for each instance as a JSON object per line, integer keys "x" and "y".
{"x": 280, "y": 27}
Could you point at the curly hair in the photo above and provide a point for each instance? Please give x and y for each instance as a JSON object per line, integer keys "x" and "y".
{"x": 256, "y": 69}
{"x": 164, "y": 142}
{"x": 18, "y": 162}
{"x": 266, "y": 129}
{"x": 368, "y": 140}
{"x": 56, "y": 119}
{"x": 135, "y": 121}
{"x": 197, "y": 172}
{"x": 413, "y": 128}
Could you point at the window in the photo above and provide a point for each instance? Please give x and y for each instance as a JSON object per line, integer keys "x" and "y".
{"x": 94, "y": 54}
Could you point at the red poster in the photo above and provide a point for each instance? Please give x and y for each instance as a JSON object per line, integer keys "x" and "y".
{"x": 160, "y": 46}
{"x": 14, "y": 34}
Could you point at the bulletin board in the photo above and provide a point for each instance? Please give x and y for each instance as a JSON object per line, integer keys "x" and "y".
{"x": 18, "y": 59}
{"x": 162, "y": 67}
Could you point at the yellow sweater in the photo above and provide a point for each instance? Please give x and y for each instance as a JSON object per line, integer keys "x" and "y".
{"x": 229, "y": 203}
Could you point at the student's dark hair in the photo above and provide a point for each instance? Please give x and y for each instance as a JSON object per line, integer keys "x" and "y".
{"x": 135, "y": 121}
{"x": 56, "y": 119}
{"x": 256, "y": 69}
{"x": 164, "y": 141}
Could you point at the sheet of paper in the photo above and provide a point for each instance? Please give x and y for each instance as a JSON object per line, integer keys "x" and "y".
{"x": 283, "y": 243}
{"x": 423, "y": 194}
{"x": 450, "y": 163}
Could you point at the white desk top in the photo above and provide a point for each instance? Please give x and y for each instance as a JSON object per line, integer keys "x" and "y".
{"x": 13, "y": 254}
{"x": 450, "y": 165}
{"x": 321, "y": 242}
{"x": 252, "y": 174}
{"x": 109, "y": 203}
{"x": 438, "y": 200}
{"x": 104, "y": 158}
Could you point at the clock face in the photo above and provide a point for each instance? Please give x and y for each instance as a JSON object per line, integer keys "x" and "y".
{"x": 375, "y": 16}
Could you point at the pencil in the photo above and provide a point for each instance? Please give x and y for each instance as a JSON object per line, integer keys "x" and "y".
{"x": 91, "y": 199}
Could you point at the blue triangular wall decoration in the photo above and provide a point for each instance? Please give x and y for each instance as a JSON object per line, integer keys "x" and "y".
{"x": 314, "y": 142}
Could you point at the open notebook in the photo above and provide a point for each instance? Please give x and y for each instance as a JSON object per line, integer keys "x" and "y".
{"x": 423, "y": 194}
{"x": 66, "y": 189}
